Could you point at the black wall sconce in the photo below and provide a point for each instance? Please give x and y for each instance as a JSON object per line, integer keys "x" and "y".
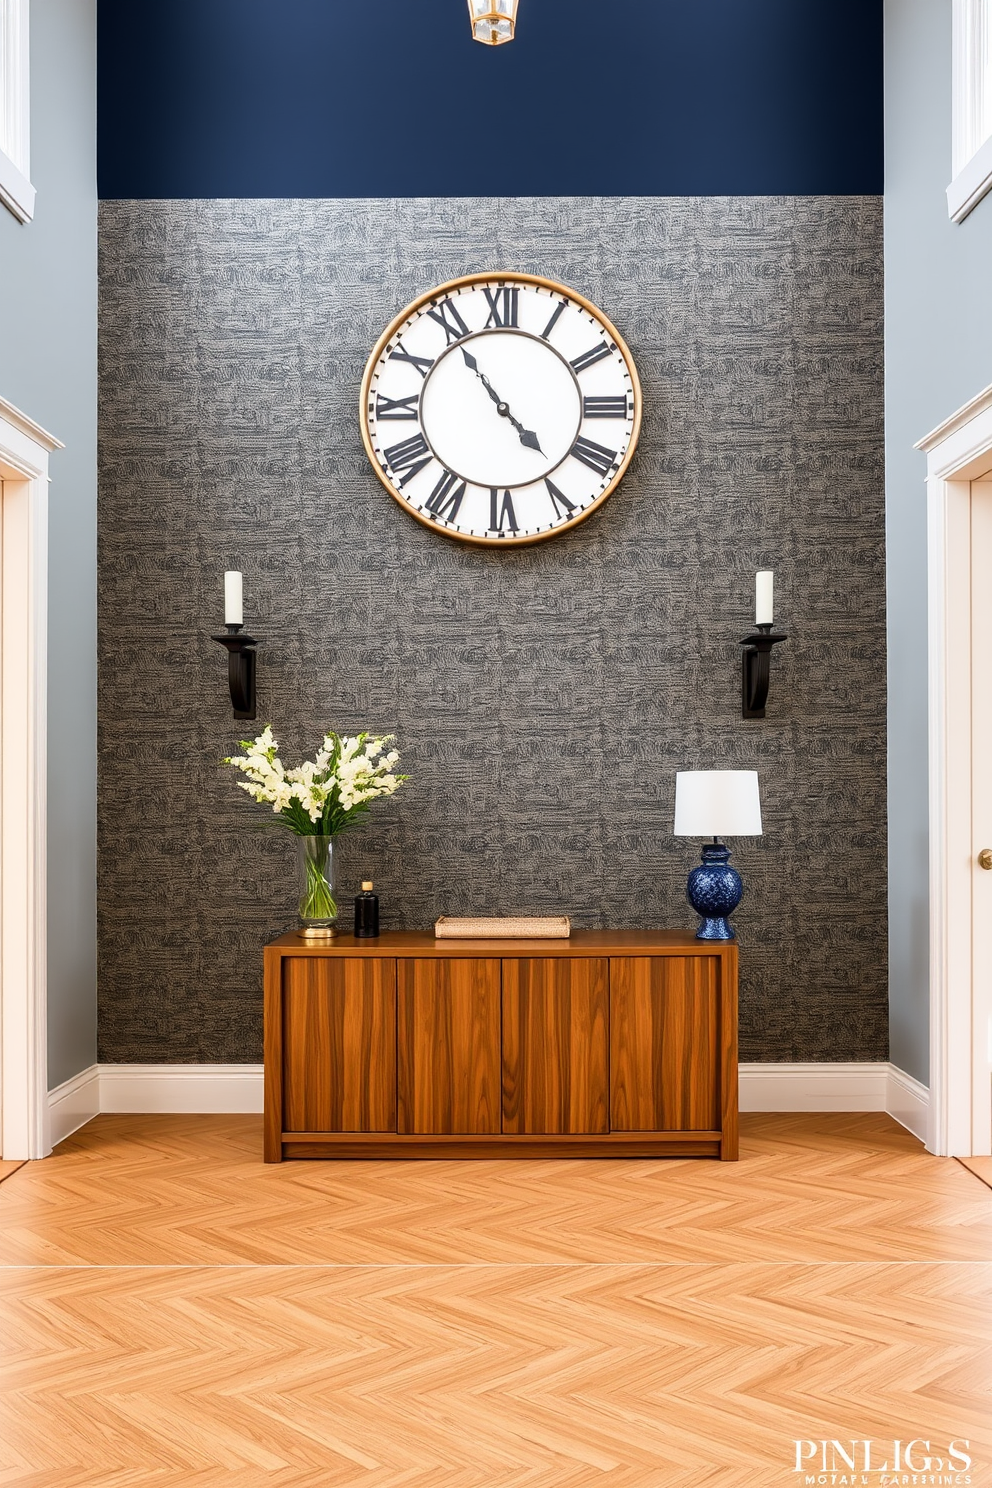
{"x": 756, "y": 657}
{"x": 240, "y": 648}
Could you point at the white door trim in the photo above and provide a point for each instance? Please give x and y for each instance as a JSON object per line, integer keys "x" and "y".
{"x": 958, "y": 452}
{"x": 24, "y": 451}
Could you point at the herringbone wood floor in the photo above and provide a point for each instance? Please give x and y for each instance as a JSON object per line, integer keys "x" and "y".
{"x": 176, "y": 1313}
{"x": 980, "y": 1166}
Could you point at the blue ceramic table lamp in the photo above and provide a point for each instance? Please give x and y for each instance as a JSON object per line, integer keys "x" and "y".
{"x": 716, "y": 803}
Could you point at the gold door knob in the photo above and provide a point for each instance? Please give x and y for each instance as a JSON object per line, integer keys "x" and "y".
{"x": 985, "y": 858}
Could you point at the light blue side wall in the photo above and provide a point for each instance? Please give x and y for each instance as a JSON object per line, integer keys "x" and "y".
{"x": 938, "y": 354}
{"x": 48, "y": 286}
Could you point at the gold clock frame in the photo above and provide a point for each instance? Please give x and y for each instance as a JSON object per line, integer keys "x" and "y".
{"x": 463, "y": 281}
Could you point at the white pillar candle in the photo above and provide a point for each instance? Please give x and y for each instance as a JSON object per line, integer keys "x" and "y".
{"x": 233, "y": 603}
{"x": 764, "y": 589}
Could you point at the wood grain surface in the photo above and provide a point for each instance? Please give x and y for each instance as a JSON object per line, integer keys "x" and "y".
{"x": 579, "y": 943}
{"x": 448, "y": 1046}
{"x": 664, "y": 1043}
{"x": 980, "y": 1166}
{"x": 515, "y": 1147}
{"x": 486, "y": 1049}
{"x": 177, "y": 1314}
{"x": 163, "y": 1190}
{"x": 556, "y": 1017}
{"x": 339, "y": 1044}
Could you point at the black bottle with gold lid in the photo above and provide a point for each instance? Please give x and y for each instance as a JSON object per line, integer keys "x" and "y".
{"x": 366, "y": 913}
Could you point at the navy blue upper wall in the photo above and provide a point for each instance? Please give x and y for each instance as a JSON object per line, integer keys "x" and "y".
{"x": 336, "y": 98}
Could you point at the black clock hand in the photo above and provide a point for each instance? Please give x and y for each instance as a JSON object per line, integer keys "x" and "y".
{"x": 500, "y": 405}
{"x": 527, "y": 436}
{"x": 473, "y": 366}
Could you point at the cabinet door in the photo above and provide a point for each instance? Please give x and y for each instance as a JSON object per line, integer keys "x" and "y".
{"x": 664, "y": 1043}
{"x": 555, "y": 1045}
{"x": 448, "y": 1046}
{"x": 339, "y": 1044}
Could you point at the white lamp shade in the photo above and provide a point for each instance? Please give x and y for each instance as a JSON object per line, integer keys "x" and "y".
{"x": 717, "y": 803}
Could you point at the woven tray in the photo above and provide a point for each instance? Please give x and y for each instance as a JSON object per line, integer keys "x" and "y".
{"x": 515, "y": 927}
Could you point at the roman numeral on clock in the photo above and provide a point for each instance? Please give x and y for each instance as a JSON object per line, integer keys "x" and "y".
{"x": 561, "y": 306}
{"x": 410, "y": 455}
{"x": 559, "y": 500}
{"x": 612, "y": 408}
{"x": 596, "y": 456}
{"x": 503, "y": 307}
{"x": 500, "y": 515}
{"x": 422, "y": 364}
{"x": 399, "y": 408}
{"x": 594, "y": 354}
{"x": 446, "y": 314}
{"x": 445, "y": 499}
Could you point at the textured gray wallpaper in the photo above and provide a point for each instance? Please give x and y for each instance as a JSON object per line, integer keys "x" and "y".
{"x": 543, "y": 699}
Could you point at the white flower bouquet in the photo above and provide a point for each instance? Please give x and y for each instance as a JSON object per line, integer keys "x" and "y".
{"x": 319, "y": 799}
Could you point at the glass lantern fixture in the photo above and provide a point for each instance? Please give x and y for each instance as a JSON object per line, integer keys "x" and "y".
{"x": 493, "y": 21}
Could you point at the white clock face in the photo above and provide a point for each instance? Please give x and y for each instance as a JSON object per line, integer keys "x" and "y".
{"x": 500, "y": 409}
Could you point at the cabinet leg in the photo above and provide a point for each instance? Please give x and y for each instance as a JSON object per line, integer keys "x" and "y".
{"x": 272, "y": 1138}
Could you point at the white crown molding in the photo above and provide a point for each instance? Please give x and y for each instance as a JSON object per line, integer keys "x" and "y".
{"x": 73, "y": 1103}
{"x": 973, "y": 409}
{"x": 10, "y": 414}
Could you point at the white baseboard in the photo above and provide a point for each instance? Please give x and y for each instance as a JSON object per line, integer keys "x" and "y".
{"x": 909, "y": 1102}
{"x": 814, "y": 1087}
{"x": 837, "y": 1087}
{"x": 192, "y": 1089}
{"x": 73, "y": 1103}
{"x": 205, "y": 1089}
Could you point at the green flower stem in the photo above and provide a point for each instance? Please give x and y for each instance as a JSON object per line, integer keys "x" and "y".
{"x": 318, "y": 902}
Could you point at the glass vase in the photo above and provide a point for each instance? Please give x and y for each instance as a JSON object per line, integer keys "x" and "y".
{"x": 318, "y": 888}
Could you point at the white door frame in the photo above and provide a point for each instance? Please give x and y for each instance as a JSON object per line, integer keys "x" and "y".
{"x": 24, "y": 451}
{"x": 958, "y": 452}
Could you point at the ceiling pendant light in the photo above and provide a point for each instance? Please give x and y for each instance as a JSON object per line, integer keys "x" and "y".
{"x": 493, "y": 21}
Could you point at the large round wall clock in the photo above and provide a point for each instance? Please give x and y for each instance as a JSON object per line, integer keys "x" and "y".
{"x": 500, "y": 408}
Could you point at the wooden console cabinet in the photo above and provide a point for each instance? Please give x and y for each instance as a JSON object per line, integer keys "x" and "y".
{"x": 610, "y": 1044}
